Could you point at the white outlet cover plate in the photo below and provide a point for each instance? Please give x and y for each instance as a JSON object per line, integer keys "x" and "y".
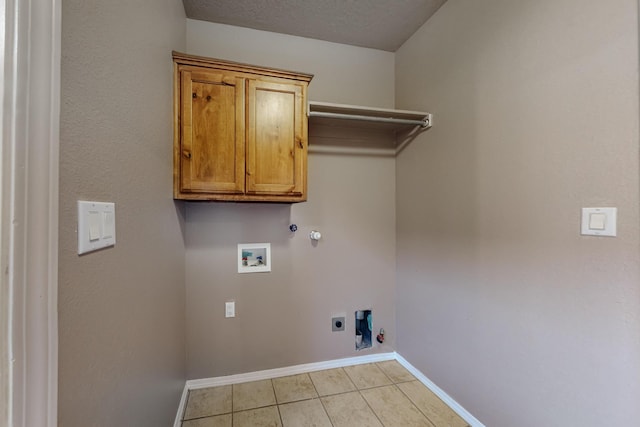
{"x": 599, "y": 222}
{"x": 96, "y": 226}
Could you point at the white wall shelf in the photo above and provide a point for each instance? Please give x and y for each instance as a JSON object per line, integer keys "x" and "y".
{"x": 397, "y": 119}
{"x": 352, "y": 129}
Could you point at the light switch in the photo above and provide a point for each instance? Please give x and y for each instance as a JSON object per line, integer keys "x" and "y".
{"x": 230, "y": 309}
{"x": 96, "y": 226}
{"x": 599, "y": 222}
{"x": 109, "y": 223}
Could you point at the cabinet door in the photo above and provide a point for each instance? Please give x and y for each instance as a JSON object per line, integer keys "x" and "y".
{"x": 212, "y": 157}
{"x": 276, "y": 139}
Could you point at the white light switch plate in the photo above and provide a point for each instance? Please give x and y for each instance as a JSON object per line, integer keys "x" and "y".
{"x": 230, "y": 309}
{"x": 96, "y": 226}
{"x": 599, "y": 222}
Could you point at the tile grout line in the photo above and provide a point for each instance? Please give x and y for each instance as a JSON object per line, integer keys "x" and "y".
{"x": 372, "y": 410}
{"x": 233, "y": 386}
{"x": 403, "y": 393}
{"x": 320, "y": 400}
{"x": 280, "y": 415}
{"x": 277, "y": 404}
{"x": 395, "y": 383}
{"x": 369, "y": 406}
{"x": 416, "y": 405}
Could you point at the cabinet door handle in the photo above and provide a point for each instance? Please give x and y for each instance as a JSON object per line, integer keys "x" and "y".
{"x": 187, "y": 154}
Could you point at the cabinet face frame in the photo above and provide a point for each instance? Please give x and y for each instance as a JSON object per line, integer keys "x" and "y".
{"x": 254, "y": 77}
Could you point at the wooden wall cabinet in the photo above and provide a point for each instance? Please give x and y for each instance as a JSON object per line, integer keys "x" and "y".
{"x": 240, "y": 131}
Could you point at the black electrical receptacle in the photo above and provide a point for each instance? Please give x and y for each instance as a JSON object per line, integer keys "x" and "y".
{"x": 337, "y": 324}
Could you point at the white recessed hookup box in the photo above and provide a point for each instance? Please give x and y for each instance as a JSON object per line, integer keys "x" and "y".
{"x": 599, "y": 222}
{"x": 96, "y": 226}
{"x": 254, "y": 257}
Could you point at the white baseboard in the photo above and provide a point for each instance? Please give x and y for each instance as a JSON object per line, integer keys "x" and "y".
{"x": 289, "y": 370}
{"x": 473, "y": 421}
{"x": 181, "y": 406}
{"x": 331, "y": 364}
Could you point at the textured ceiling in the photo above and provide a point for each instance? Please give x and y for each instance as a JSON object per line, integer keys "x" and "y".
{"x": 377, "y": 24}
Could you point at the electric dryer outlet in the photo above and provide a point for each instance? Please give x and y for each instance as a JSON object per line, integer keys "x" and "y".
{"x": 337, "y": 324}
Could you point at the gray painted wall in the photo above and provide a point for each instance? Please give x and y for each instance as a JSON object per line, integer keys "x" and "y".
{"x": 342, "y": 74}
{"x": 500, "y": 301}
{"x": 284, "y": 317}
{"x": 121, "y": 310}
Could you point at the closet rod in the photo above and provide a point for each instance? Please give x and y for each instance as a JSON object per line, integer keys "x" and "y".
{"x": 424, "y": 122}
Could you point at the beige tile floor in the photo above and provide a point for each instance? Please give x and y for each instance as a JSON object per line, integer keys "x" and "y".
{"x": 380, "y": 394}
